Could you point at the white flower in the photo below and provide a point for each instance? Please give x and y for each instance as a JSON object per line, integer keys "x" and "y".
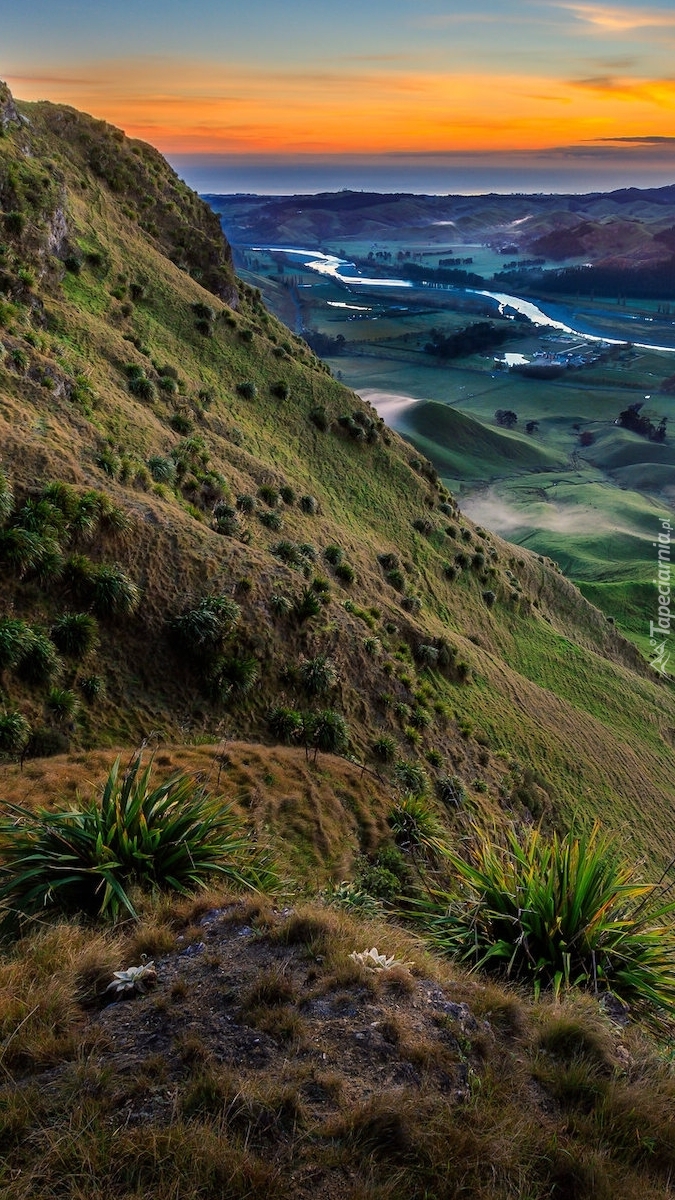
{"x": 133, "y": 979}
{"x": 373, "y": 958}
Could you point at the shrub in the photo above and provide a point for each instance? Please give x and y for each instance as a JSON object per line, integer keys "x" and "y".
{"x": 372, "y": 646}
{"x": 15, "y": 639}
{"x": 450, "y": 571}
{"x": 142, "y": 388}
{"x": 203, "y": 630}
{"x": 75, "y": 634}
{"x": 423, "y": 525}
{"x": 271, "y": 520}
{"x": 62, "y": 704}
{"x": 225, "y": 519}
{"x": 450, "y": 790}
{"x": 560, "y": 913}
{"x": 478, "y": 561}
{"x": 14, "y": 733}
{"x": 269, "y": 494}
{"x": 427, "y": 655}
{"x": 203, "y": 312}
{"x": 6, "y": 498}
{"x": 384, "y": 748}
{"x": 333, "y": 555}
{"x": 280, "y": 389}
{"x": 284, "y": 723}
{"x": 280, "y": 605}
{"x": 489, "y": 597}
{"x": 39, "y": 662}
{"x": 416, "y": 828}
{"x": 318, "y": 675}
{"x": 87, "y": 859}
{"x": 319, "y": 417}
{"x": 389, "y": 561}
{"x": 411, "y": 604}
{"x": 233, "y": 676}
{"x": 327, "y": 731}
{"x": 309, "y": 504}
{"x": 163, "y": 470}
{"x": 411, "y": 777}
{"x": 307, "y": 605}
{"x": 113, "y": 593}
{"x": 345, "y": 572}
{"x": 287, "y": 494}
{"x": 396, "y": 578}
{"x": 181, "y": 423}
{"x": 92, "y": 687}
{"x": 247, "y": 390}
{"x": 21, "y": 549}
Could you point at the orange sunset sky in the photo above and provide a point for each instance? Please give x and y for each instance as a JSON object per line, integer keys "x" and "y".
{"x": 574, "y": 82}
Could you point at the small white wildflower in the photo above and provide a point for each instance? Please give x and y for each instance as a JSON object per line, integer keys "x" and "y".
{"x": 133, "y": 979}
{"x": 373, "y": 958}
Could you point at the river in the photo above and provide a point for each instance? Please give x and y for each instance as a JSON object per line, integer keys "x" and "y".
{"x": 558, "y": 315}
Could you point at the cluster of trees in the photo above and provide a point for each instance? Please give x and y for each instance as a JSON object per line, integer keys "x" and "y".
{"x": 476, "y": 338}
{"x": 631, "y": 418}
{"x": 323, "y": 344}
{"x": 507, "y": 418}
{"x": 452, "y": 275}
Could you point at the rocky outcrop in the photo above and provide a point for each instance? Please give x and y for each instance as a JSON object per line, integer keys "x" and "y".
{"x": 9, "y": 114}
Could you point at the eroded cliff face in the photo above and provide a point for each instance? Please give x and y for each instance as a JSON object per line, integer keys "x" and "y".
{"x": 9, "y": 114}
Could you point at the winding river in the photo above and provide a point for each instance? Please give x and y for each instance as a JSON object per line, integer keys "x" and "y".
{"x": 558, "y": 316}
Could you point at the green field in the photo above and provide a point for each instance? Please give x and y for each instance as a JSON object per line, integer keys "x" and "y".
{"x": 594, "y": 508}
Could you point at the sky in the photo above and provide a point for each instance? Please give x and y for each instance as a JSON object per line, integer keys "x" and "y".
{"x": 417, "y": 95}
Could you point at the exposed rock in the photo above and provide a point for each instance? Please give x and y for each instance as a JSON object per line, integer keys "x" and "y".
{"x": 9, "y": 114}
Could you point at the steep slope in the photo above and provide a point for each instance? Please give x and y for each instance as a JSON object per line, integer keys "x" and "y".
{"x": 234, "y": 517}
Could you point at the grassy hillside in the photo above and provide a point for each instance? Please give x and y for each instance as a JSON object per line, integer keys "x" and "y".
{"x": 209, "y": 545}
{"x": 225, "y": 461}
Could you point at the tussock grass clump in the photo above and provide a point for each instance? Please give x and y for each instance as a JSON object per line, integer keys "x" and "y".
{"x": 88, "y": 859}
{"x": 560, "y": 913}
{"x": 75, "y": 634}
{"x": 14, "y": 733}
{"x": 203, "y": 630}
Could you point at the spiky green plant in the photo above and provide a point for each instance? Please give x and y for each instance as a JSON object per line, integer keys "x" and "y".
{"x": 411, "y": 777}
{"x": 557, "y": 913}
{"x": 284, "y": 723}
{"x": 327, "y": 731}
{"x": 203, "y": 630}
{"x": 62, "y": 704}
{"x": 307, "y": 605}
{"x": 15, "y": 640}
{"x": 92, "y": 687}
{"x": 280, "y": 605}
{"x": 233, "y": 676}
{"x": 39, "y": 662}
{"x": 75, "y": 634}
{"x": 169, "y": 835}
{"x": 416, "y": 827}
{"x": 14, "y": 733}
{"x": 163, "y": 470}
{"x": 319, "y": 674}
{"x": 384, "y": 748}
{"x": 21, "y": 550}
{"x": 6, "y": 497}
{"x": 113, "y": 593}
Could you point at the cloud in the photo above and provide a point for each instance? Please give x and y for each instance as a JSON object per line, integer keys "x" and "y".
{"x": 612, "y": 18}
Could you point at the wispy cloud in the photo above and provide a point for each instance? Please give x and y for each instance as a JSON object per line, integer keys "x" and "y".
{"x": 613, "y": 18}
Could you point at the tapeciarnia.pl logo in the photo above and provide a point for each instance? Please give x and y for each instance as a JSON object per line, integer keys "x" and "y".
{"x": 659, "y": 630}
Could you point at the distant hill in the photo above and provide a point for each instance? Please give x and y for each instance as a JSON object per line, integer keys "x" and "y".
{"x": 626, "y": 229}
